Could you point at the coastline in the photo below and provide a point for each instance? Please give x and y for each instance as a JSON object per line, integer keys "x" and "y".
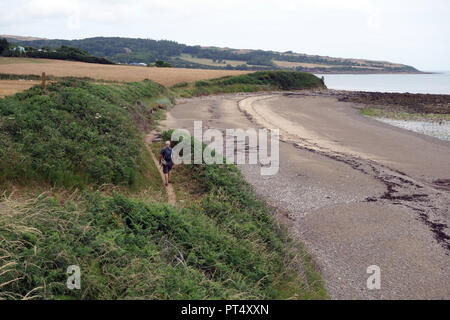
{"x": 412, "y": 103}
{"x": 375, "y": 72}
{"x": 404, "y": 102}
{"x": 436, "y": 82}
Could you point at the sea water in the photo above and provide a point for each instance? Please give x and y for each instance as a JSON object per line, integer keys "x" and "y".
{"x": 437, "y": 83}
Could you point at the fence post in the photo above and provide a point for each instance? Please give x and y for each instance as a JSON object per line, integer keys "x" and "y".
{"x": 43, "y": 81}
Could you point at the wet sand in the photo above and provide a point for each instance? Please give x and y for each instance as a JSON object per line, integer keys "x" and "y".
{"x": 356, "y": 191}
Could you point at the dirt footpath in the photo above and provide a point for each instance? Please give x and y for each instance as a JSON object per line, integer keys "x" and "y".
{"x": 358, "y": 192}
{"x": 171, "y": 196}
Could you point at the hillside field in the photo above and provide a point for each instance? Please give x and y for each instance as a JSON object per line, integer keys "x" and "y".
{"x": 132, "y": 50}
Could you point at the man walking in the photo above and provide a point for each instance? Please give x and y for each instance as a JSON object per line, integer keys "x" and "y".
{"x": 166, "y": 160}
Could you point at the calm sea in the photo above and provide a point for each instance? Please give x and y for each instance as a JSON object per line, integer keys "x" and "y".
{"x": 438, "y": 83}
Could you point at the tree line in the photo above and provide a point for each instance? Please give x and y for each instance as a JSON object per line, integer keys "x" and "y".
{"x": 61, "y": 53}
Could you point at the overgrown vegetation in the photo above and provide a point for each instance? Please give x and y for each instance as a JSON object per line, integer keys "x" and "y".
{"x": 78, "y": 133}
{"x": 252, "y": 82}
{"x": 225, "y": 244}
{"x": 162, "y": 64}
{"x": 218, "y": 249}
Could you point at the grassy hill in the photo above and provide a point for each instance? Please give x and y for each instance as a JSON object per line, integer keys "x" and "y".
{"x": 128, "y": 50}
{"x": 79, "y": 188}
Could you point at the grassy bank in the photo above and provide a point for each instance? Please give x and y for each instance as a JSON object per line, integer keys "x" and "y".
{"x": 79, "y": 188}
{"x": 217, "y": 248}
{"x": 76, "y": 134}
{"x": 252, "y": 82}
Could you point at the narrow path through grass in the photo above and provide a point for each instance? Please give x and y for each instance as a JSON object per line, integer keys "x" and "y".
{"x": 171, "y": 197}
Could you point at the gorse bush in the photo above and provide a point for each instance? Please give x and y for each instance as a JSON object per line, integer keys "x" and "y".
{"x": 79, "y": 133}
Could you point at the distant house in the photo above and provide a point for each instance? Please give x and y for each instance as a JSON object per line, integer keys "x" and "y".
{"x": 19, "y": 48}
{"x": 137, "y": 64}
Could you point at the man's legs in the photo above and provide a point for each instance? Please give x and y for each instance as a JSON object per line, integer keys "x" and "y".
{"x": 166, "y": 171}
{"x": 166, "y": 174}
{"x": 166, "y": 178}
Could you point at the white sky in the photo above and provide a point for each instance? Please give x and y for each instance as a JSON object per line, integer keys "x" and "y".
{"x": 414, "y": 32}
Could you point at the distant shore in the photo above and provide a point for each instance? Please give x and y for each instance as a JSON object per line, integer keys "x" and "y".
{"x": 375, "y": 72}
{"x": 403, "y": 102}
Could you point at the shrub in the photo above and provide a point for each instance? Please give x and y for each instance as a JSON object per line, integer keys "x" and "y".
{"x": 180, "y": 85}
{"x": 162, "y": 64}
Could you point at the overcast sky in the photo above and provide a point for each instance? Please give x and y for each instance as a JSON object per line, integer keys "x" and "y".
{"x": 414, "y": 32}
